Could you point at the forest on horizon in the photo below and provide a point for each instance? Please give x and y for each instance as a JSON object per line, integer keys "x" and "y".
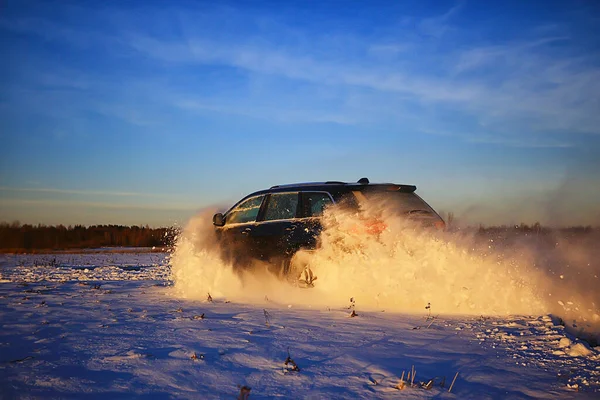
{"x": 15, "y": 237}
{"x": 18, "y": 238}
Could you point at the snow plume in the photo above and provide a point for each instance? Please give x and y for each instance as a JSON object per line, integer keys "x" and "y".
{"x": 198, "y": 269}
{"x": 196, "y": 265}
{"x": 403, "y": 268}
{"x": 569, "y": 266}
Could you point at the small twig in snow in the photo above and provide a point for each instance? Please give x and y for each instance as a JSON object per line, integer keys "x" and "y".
{"x": 453, "y": 380}
{"x": 401, "y": 382}
{"x": 267, "y": 318}
{"x": 352, "y": 307}
{"x": 244, "y": 392}
{"x": 209, "y": 298}
{"x": 432, "y": 319}
{"x": 289, "y": 362}
{"x": 20, "y": 360}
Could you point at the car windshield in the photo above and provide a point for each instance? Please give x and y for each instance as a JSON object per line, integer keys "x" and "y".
{"x": 247, "y": 211}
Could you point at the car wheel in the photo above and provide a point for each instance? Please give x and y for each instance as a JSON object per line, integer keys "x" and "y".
{"x": 300, "y": 273}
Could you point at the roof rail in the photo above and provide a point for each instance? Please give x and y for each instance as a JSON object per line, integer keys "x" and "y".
{"x": 308, "y": 184}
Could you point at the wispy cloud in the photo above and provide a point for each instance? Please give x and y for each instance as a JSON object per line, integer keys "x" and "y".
{"x": 532, "y": 83}
{"x": 527, "y": 85}
{"x": 266, "y": 113}
{"x": 83, "y": 192}
{"x": 438, "y": 25}
{"x": 305, "y": 68}
{"x": 93, "y": 204}
{"x": 514, "y": 140}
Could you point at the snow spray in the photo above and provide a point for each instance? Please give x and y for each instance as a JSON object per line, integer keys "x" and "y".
{"x": 403, "y": 269}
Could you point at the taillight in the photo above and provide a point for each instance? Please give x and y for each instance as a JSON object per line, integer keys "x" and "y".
{"x": 375, "y": 227}
{"x": 372, "y": 227}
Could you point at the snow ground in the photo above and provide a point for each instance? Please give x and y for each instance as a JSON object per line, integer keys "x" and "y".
{"x": 84, "y": 266}
{"x": 99, "y": 325}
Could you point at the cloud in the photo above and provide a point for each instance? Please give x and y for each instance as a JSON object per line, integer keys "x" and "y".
{"x": 266, "y": 113}
{"x": 83, "y": 192}
{"x": 513, "y": 55}
{"x": 508, "y": 89}
{"x": 533, "y": 83}
{"x": 303, "y": 67}
{"x": 528, "y": 141}
{"x": 439, "y": 25}
{"x": 389, "y": 49}
{"x": 92, "y": 204}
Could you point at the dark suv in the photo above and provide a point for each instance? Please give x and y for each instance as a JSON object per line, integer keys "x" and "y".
{"x": 273, "y": 224}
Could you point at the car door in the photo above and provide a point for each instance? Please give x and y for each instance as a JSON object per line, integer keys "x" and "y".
{"x": 236, "y": 235}
{"x": 291, "y": 221}
{"x": 275, "y": 225}
{"x": 308, "y": 228}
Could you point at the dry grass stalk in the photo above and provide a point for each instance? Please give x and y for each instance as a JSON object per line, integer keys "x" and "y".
{"x": 290, "y": 364}
{"x": 244, "y": 393}
{"x": 453, "y": 380}
{"x": 401, "y": 382}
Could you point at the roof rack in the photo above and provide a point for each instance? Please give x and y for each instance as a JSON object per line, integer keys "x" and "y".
{"x": 361, "y": 181}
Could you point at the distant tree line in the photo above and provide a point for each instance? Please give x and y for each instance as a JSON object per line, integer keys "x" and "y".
{"x": 25, "y": 237}
{"x": 535, "y": 228}
{"x": 18, "y": 238}
{"x": 522, "y": 228}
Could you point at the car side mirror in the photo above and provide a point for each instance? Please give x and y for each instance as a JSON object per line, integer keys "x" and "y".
{"x": 218, "y": 219}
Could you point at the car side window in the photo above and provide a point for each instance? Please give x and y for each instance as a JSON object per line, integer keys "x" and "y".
{"x": 281, "y": 206}
{"x": 247, "y": 211}
{"x": 315, "y": 203}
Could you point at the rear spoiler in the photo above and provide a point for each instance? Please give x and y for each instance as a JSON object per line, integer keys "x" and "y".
{"x": 387, "y": 187}
{"x": 392, "y": 187}
{"x": 406, "y": 188}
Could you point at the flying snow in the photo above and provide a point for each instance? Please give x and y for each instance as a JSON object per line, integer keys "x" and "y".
{"x": 402, "y": 269}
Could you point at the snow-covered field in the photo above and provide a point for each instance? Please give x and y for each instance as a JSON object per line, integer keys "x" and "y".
{"x": 138, "y": 325}
{"x": 84, "y": 267}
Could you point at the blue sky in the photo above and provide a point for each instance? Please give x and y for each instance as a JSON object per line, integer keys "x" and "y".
{"x": 146, "y": 112}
